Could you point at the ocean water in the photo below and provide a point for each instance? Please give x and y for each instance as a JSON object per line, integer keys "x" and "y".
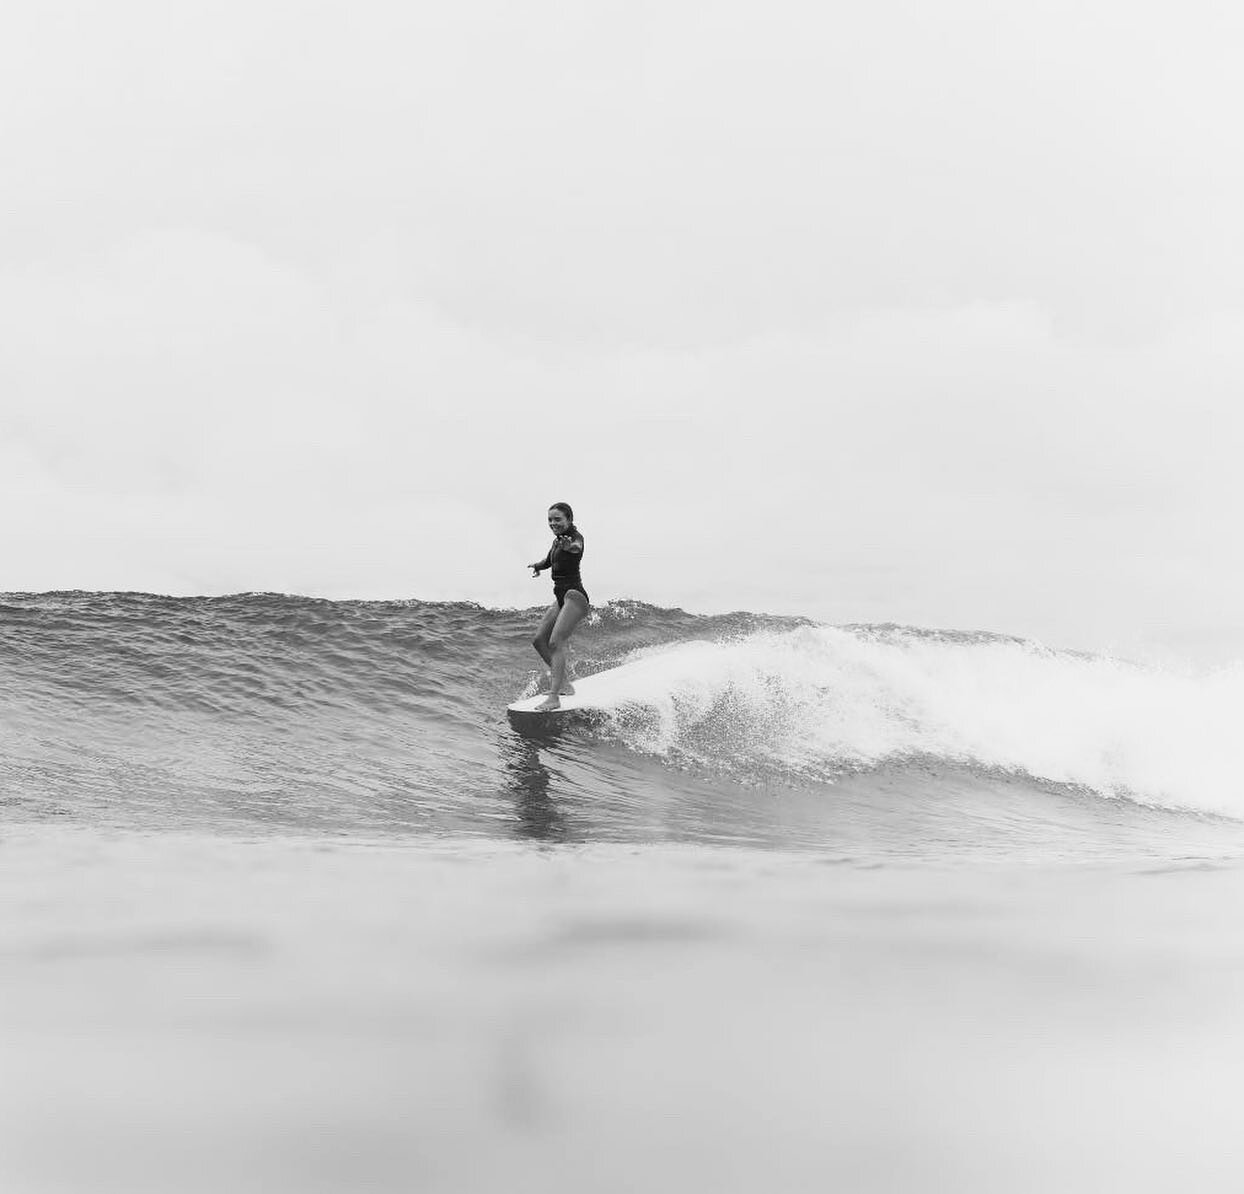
{"x": 287, "y": 904}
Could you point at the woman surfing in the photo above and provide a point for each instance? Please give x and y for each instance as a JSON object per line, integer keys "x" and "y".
{"x": 570, "y": 604}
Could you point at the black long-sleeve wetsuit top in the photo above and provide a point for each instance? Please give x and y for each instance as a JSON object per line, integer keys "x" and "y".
{"x": 564, "y": 561}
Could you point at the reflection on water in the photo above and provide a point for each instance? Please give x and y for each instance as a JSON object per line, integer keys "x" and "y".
{"x": 528, "y": 779}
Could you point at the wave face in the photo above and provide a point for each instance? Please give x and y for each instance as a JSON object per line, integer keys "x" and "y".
{"x": 262, "y": 712}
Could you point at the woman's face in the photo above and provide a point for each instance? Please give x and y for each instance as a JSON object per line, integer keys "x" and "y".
{"x": 558, "y": 522}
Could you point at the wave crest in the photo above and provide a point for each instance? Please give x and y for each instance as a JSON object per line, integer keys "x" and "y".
{"x": 817, "y": 701}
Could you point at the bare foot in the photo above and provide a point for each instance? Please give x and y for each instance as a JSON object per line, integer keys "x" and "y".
{"x": 568, "y": 690}
{"x": 550, "y": 702}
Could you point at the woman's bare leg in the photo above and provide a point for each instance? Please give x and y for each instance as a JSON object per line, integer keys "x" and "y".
{"x": 543, "y": 631}
{"x": 572, "y": 613}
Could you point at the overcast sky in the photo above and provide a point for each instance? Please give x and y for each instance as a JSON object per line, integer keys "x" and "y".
{"x": 929, "y": 312}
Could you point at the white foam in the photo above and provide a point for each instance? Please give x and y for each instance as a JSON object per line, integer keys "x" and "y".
{"x": 817, "y": 699}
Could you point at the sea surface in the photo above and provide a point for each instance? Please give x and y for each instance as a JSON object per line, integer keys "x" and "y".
{"x": 286, "y": 904}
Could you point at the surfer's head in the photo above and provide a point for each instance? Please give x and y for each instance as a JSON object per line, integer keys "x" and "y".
{"x": 561, "y": 518}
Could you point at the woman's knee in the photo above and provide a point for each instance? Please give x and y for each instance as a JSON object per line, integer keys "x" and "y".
{"x": 539, "y": 642}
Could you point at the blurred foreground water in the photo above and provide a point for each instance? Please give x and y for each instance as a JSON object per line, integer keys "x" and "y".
{"x": 182, "y": 1013}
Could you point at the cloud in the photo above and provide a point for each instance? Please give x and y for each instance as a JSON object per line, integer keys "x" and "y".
{"x": 666, "y": 175}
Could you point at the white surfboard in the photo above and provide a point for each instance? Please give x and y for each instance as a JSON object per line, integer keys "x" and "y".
{"x": 601, "y": 691}
{"x": 649, "y": 681}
